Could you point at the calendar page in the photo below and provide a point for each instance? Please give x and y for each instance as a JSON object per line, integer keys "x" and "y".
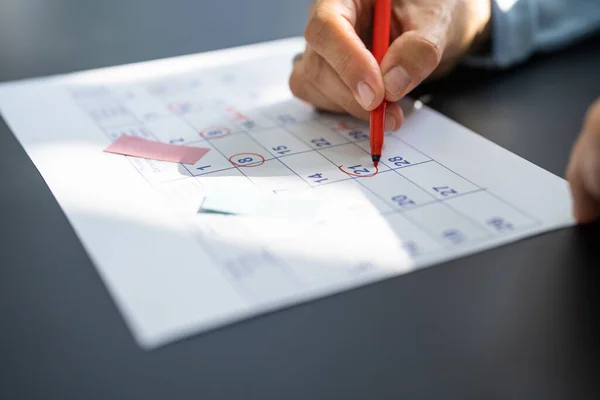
{"x": 440, "y": 192}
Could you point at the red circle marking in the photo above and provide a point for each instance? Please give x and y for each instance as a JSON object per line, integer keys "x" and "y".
{"x": 251, "y": 165}
{"x": 357, "y": 175}
{"x": 225, "y": 133}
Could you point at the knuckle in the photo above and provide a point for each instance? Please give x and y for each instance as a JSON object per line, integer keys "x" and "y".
{"x": 420, "y": 52}
{"x": 318, "y": 27}
{"x": 429, "y": 52}
{"x": 438, "y": 11}
{"x": 343, "y": 65}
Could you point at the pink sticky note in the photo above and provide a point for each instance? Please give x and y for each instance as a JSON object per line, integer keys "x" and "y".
{"x": 138, "y": 147}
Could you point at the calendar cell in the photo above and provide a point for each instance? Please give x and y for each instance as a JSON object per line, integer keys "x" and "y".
{"x": 108, "y": 115}
{"x": 275, "y": 176}
{"x": 247, "y": 160}
{"x": 249, "y": 120}
{"x": 280, "y": 142}
{"x": 397, "y": 191}
{"x": 210, "y": 120}
{"x": 159, "y": 171}
{"x": 314, "y": 168}
{"x": 172, "y": 130}
{"x": 414, "y": 240}
{"x": 212, "y": 161}
{"x": 316, "y": 135}
{"x": 171, "y": 89}
{"x": 397, "y": 154}
{"x": 180, "y": 108}
{"x": 136, "y": 130}
{"x": 366, "y": 202}
{"x": 289, "y": 112}
{"x": 438, "y": 180}
{"x": 352, "y": 160}
{"x": 225, "y": 179}
{"x": 215, "y": 132}
{"x": 492, "y": 213}
{"x": 239, "y": 144}
{"x": 355, "y": 134}
{"x": 446, "y": 225}
{"x": 142, "y": 106}
{"x": 340, "y": 123}
{"x": 373, "y": 198}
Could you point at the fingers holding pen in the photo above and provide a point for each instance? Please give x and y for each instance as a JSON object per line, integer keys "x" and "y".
{"x": 410, "y": 60}
{"x": 331, "y": 33}
{"x": 418, "y": 51}
{"x": 315, "y": 81}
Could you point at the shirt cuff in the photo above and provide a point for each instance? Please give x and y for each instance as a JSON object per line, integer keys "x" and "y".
{"x": 513, "y": 31}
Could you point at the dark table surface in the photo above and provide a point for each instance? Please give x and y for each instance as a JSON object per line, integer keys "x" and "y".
{"x": 517, "y": 322}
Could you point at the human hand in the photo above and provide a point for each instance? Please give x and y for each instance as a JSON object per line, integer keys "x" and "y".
{"x": 583, "y": 172}
{"x": 338, "y": 73}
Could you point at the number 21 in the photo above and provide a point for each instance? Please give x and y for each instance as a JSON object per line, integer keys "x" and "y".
{"x": 445, "y": 190}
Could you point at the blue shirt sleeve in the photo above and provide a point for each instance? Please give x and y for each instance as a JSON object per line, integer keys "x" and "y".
{"x": 521, "y": 28}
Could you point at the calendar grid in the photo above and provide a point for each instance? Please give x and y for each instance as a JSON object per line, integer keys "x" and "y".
{"x": 437, "y": 162}
{"x": 444, "y": 202}
{"x": 217, "y": 149}
{"x": 474, "y": 184}
{"x": 412, "y": 220}
{"x": 445, "y": 196}
{"x": 466, "y": 217}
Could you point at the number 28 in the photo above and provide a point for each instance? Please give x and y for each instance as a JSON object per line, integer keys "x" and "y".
{"x": 398, "y": 161}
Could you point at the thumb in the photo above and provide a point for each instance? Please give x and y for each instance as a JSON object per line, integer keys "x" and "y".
{"x": 411, "y": 58}
{"x": 331, "y": 35}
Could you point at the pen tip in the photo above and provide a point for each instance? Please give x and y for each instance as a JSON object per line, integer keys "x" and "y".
{"x": 375, "y": 158}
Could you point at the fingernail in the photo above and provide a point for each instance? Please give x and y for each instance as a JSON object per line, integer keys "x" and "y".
{"x": 396, "y": 80}
{"x": 367, "y": 95}
{"x": 390, "y": 122}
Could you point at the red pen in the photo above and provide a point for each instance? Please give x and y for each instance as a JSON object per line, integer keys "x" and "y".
{"x": 381, "y": 42}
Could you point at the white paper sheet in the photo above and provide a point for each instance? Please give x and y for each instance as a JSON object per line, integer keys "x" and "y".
{"x": 442, "y": 191}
